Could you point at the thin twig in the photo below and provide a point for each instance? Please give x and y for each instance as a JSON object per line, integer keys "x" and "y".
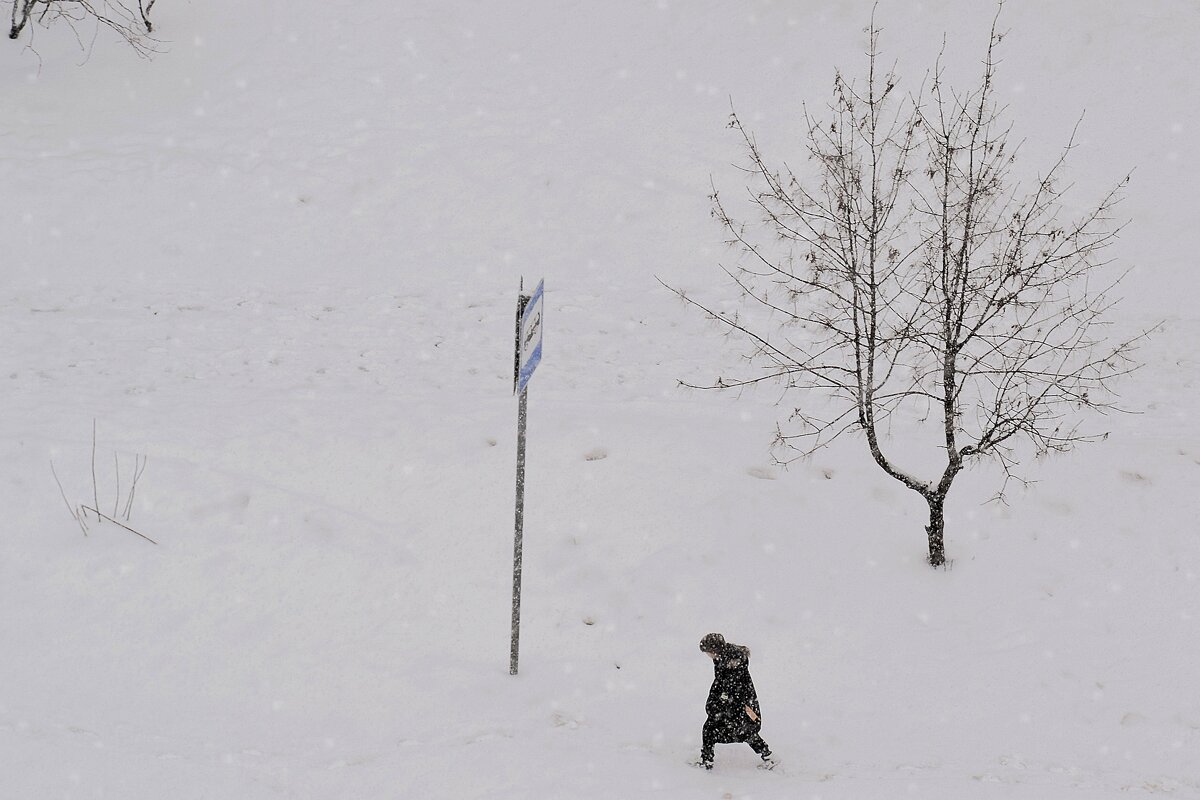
{"x": 119, "y": 524}
{"x": 117, "y": 468}
{"x": 137, "y": 474}
{"x": 95, "y": 491}
{"x": 70, "y": 510}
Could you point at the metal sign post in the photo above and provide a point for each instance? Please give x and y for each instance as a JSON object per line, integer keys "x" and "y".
{"x": 528, "y": 354}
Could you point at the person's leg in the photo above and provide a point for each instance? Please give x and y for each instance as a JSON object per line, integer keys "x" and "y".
{"x": 759, "y": 746}
{"x": 709, "y": 739}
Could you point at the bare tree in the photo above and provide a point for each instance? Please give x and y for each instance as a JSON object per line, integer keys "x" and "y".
{"x": 130, "y": 19}
{"x": 908, "y": 281}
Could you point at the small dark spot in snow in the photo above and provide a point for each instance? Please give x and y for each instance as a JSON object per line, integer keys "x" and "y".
{"x": 595, "y": 454}
{"x": 491, "y": 442}
{"x": 589, "y": 620}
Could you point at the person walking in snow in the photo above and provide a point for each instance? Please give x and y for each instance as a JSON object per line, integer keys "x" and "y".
{"x": 732, "y": 707}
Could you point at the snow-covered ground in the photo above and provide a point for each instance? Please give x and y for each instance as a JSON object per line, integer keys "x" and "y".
{"x": 281, "y": 261}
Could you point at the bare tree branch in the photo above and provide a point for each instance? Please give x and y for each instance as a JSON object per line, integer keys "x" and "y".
{"x": 130, "y": 22}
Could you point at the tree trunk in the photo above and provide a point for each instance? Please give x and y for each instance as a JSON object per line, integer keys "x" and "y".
{"x": 936, "y": 529}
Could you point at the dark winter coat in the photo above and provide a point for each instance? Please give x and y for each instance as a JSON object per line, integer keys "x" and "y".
{"x": 732, "y": 691}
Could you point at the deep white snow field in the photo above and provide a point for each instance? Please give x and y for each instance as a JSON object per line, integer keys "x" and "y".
{"x": 281, "y": 260}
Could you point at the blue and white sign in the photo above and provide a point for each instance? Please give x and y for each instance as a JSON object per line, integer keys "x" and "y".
{"x": 531, "y": 338}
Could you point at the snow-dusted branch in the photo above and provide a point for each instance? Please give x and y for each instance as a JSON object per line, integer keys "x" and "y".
{"x": 130, "y": 22}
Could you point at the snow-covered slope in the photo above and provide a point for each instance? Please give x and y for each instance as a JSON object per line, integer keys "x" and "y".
{"x": 281, "y": 261}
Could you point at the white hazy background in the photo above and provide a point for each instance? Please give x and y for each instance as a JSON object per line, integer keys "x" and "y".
{"x": 281, "y": 260}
